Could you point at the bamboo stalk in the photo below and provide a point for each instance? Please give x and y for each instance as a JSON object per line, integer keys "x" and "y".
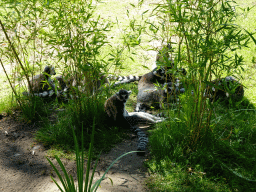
{"x": 10, "y": 83}
{"x": 16, "y": 55}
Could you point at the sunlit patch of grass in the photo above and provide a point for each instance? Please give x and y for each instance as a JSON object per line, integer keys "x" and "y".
{"x": 58, "y": 150}
{"x": 8, "y": 104}
{"x": 177, "y": 178}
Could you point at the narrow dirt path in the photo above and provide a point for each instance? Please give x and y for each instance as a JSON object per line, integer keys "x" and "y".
{"x": 20, "y": 170}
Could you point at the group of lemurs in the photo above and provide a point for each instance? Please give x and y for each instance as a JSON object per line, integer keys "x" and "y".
{"x": 155, "y": 89}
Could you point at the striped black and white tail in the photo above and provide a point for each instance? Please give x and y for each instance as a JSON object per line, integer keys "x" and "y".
{"x": 124, "y": 79}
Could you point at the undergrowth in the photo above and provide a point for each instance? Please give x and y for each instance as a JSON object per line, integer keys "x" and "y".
{"x": 57, "y": 133}
{"x": 225, "y": 162}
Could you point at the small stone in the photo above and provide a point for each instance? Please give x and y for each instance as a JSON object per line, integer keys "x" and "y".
{"x": 36, "y": 147}
{"x": 51, "y": 92}
{"x": 44, "y": 94}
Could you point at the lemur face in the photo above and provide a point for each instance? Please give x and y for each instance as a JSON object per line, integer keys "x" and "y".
{"x": 159, "y": 72}
{"x": 163, "y": 58}
{"x": 123, "y": 95}
{"x": 49, "y": 70}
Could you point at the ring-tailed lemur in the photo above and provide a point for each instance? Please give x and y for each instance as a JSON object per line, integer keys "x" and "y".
{"x": 164, "y": 60}
{"x": 156, "y": 97}
{"x": 42, "y": 84}
{"x": 225, "y": 88}
{"x": 163, "y": 57}
{"x": 149, "y": 93}
{"x": 116, "y": 112}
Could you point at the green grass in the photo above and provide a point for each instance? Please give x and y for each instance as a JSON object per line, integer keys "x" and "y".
{"x": 225, "y": 163}
{"x": 7, "y": 104}
{"x": 176, "y": 177}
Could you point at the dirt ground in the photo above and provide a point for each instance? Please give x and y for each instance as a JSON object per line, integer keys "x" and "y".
{"x": 23, "y": 171}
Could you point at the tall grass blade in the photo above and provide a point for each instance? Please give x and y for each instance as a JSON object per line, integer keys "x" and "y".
{"x": 251, "y": 35}
{"x": 89, "y": 158}
{"x": 235, "y": 173}
{"x": 79, "y": 161}
{"x": 97, "y": 183}
{"x": 93, "y": 171}
{"x": 58, "y": 173}
{"x": 70, "y": 185}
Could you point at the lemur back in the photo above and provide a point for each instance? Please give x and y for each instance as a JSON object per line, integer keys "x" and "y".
{"x": 42, "y": 84}
{"x": 67, "y": 83}
{"x": 165, "y": 75}
{"x": 149, "y": 94}
{"x": 149, "y": 80}
{"x": 219, "y": 89}
{"x": 162, "y": 57}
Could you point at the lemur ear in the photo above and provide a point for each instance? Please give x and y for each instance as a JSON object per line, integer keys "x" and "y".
{"x": 129, "y": 92}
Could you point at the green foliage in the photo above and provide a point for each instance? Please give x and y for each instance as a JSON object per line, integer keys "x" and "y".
{"x": 204, "y": 146}
{"x": 69, "y": 35}
{"x": 34, "y": 109}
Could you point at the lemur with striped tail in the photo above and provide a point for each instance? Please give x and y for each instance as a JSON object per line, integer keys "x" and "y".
{"x": 118, "y": 115}
{"x": 164, "y": 75}
{"x": 115, "y": 110}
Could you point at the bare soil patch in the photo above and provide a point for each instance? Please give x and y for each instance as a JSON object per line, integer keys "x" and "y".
{"x": 21, "y": 169}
